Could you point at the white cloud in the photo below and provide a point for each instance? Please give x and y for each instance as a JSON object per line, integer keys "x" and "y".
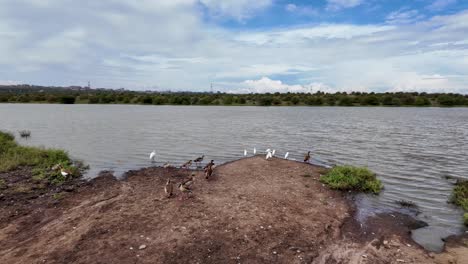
{"x": 438, "y": 5}
{"x": 404, "y": 16}
{"x": 301, "y": 10}
{"x": 237, "y": 9}
{"x": 267, "y": 85}
{"x": 340, "y": 4}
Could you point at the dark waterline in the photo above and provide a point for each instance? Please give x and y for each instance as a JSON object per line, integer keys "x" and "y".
{"x": 413, "y": 150}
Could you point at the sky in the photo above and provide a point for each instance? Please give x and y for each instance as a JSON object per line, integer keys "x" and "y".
{"x": 239, "y": 46}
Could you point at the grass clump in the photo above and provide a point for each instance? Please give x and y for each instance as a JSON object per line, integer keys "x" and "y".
{"x": 43, "y": 161}
{"x": 460, "y": 195}
{"x": 353, "y": 179}
{"x": 460, "y": 198}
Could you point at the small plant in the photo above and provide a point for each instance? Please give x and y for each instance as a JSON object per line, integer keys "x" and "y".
{"x": 58, "y": 196}
{"x": 406, "y": 203}
{"x": 25, "y": 133}
{"x": 465, "y": 219}
{"x": 349, "y": 178}
{"x": 460, "y": 195}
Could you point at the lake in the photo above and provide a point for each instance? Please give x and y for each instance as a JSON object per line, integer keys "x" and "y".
{"x": 412, "y": 150}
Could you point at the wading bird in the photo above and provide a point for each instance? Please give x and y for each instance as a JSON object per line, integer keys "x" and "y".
{"x": 65, "y": 172}
{"x": 269, "y": 154}
{"x": 245, "y": 152}
{"x": 273, "y": 153}
{"x": 152, "y": 155}
{"x": 168, "y": 188}
{"x": 255, "y": 151}
{"x": 286, "y": 155}
{"x": 307, "y": 157}
{"x": 198, "y": 160}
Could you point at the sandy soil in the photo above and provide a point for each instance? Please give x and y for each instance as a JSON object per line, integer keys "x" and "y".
{"x": 251, "y": 211}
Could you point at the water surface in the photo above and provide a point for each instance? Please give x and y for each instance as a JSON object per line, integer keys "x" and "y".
{"x": 413, "y": 150}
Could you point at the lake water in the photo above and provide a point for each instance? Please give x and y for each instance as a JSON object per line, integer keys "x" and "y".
{"x": 412, "y": 150}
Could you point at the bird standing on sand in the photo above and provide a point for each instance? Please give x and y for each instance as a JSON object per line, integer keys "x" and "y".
{"x": 188, "y": 182}
{"x": 269, "y": 154}
{"x": 273, "y": 153}
{"x": 307, "y": 157}
{"x": 286, "y": 155}
{"x": 183, "y": 189}
{"x": 168, "y": 188}
{"x": 208, "y": 172}
{"x": 255, "y": 151}
{"x": 245, "y": 152}
{"x": 152, "y": 155}
{"x": 198, "y": 160}
{"x": 187, "y": 164}
{"x": 210, "y": 164}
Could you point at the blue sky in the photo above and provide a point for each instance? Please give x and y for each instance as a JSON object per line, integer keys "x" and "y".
{"x": 239, "y": 45}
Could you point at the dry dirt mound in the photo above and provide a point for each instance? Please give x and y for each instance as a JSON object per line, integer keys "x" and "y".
{"x": 250, "y": 211}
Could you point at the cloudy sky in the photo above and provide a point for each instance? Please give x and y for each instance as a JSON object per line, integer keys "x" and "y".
{"x": 238, "y": 45}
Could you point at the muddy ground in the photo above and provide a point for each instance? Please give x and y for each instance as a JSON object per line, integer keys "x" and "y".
{"x": 251, "y": 211}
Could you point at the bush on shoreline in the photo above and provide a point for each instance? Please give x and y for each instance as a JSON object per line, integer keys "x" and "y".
{"x": 460, "y": 198}
{"x": 14, "y": 156}
{"x": 349, "y": 178}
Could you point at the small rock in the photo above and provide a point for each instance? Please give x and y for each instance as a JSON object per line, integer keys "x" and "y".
{"x": 131, "y": 248}
{"x": 400, "y": 260}
{"x": 142, "y": 247}
{"x": 274, "y": 252}
{"x": 364, "y": 256}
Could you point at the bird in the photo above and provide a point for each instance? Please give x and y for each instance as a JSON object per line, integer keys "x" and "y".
{"x": 168, "y": 188}
{"x": 273, "y": 152}
{"x": 167, "y": 165}
{"x": 255, "y": 151}
{"x": 183, "y": 189}
{"x": 245, "y": 152}
{"x": 307, "y": 157}
{"x": 268, "y": 155}
{"x": 286, "y": 155}
{"x": 210, "y": 164}
{"x": 188, "y": 182}
{"x": 208, "y": 172}
{"x": 268, "y": 150}
{"x": 65, "y": 172}
{"x": 198, "y": 160}
{"x": 152, "y": 155}
{"x": 187, "y": 164}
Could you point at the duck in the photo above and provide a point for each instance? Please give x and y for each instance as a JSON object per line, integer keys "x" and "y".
{"x": 168, "y": 188}
{"x": 183, "y": 189}
{"x": 307, "y": 157}
{"x": 210, "y": 164}
{"x": 208, "y": 172}
{"x": 188, "y": 182}
{"x": 187, "y": 164}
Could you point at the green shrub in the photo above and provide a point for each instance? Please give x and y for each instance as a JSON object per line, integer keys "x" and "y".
{"x": 460, "y": 195}
{"x": 353, "y": 179}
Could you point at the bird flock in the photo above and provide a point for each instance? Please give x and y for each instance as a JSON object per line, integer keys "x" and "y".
{"x": 185, "y": 186}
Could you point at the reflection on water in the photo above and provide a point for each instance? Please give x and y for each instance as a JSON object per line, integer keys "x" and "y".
{"x": 413, "y": 150}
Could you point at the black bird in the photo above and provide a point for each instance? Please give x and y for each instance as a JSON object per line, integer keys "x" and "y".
{"x": 307, "y": 157}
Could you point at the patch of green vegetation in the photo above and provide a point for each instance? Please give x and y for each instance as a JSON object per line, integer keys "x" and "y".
{"x": 465, "y": 219}
{"x": 352, "y": 178}
{"x": 13, "y": 156}
{"x": 460, "y": 195}
{"x": 2, "y": 184}
{"x": 58, "y": 196}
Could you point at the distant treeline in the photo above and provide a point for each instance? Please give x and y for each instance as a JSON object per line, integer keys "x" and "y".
{"x": 72, "y": 95}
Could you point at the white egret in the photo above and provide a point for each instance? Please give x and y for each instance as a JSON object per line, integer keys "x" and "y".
{"x": 286, "y": 155}
{"x": 255, "y": 151}
{"x": 152, "y": 155}
{"x": 273, "y": 152}
{"x": 268, "y": 155}
{"x": 245, "y": 152}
